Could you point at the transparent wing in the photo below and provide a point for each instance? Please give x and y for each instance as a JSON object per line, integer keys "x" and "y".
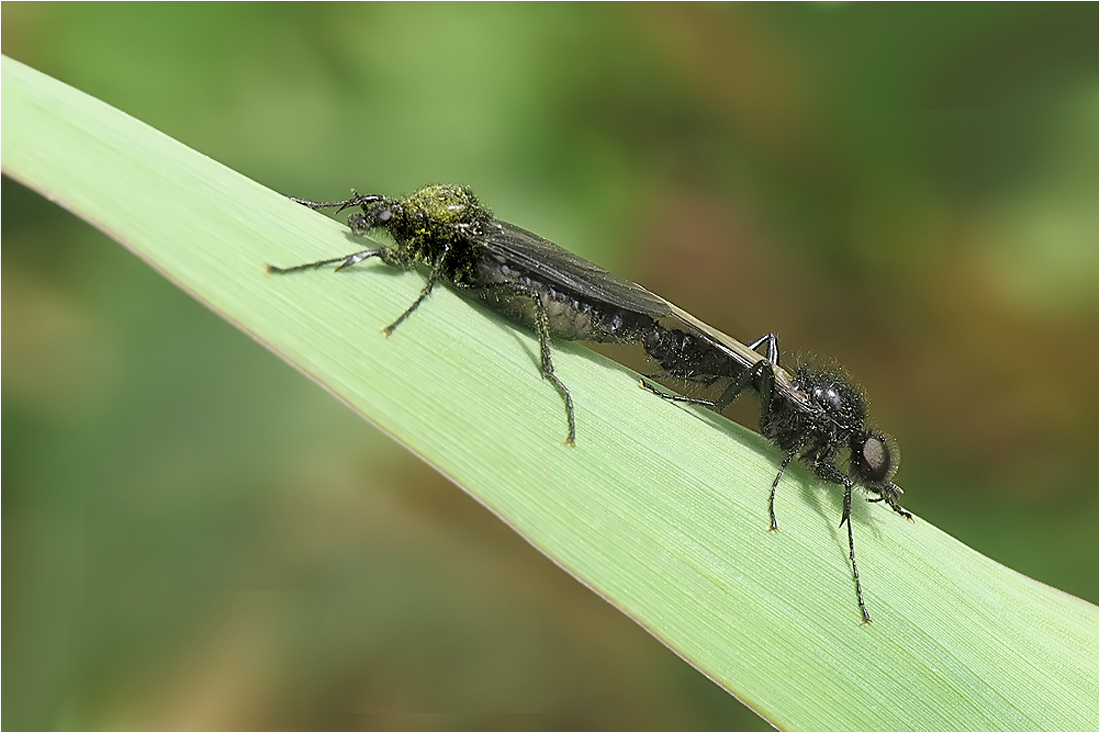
{"x": 557, "y": 265}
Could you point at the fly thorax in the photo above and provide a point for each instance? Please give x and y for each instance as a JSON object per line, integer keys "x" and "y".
{"x": 841, "y": 403}
{"x": 450, "y": 205}
{"x": 435, "y": 225}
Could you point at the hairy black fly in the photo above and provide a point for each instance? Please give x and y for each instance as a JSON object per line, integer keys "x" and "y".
{"x": 817, "y": 415}
{"x": 524, "y": 277}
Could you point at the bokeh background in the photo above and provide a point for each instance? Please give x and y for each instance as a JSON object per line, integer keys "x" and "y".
{"x": 195, "y": 536}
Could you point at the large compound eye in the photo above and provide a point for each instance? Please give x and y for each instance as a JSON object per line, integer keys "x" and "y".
{"x": 874, "y": 458}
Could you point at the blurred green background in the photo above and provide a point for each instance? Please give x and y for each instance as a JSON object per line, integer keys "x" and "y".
{"x": 195, "y": 536}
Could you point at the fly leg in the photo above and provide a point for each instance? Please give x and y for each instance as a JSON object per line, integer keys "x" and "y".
{"x": 763, "y": 380}
{"x": 674, "y": 397}
{"x": 729, "y": 394}
{"x": 504, "y": 291}
{"x": 396, "y": 257}
{"x": 357, "y": 199}
{"x": 433, "y": 277}
{"x": 354, "y": 259}
{"x": 542, "y": 325}
{"x": 760, "y": 376}
{"x": 890, "y": 497}
{"x": 772, "y": 525}
{"x": 847, "y": 519}
{"x": 346, "y": 260}
{"x": 822, "y": 465}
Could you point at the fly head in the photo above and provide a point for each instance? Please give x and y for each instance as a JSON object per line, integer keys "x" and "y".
{"x": 376, "y": 212}
{"x": 875, "y": 458}
{"x": 874, "y": 461}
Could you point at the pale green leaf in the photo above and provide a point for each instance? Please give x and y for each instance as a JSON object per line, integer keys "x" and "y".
{"x": 659, "y": 508}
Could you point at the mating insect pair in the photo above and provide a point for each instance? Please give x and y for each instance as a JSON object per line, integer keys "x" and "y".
{"x": 816, "y": 415}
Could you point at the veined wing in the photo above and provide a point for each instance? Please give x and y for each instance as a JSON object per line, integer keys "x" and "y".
{"x": 730, "y": 346}
{"x": 558, "y": 266}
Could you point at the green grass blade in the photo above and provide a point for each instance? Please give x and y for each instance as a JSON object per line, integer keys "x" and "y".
{"x": 660, "y": 509}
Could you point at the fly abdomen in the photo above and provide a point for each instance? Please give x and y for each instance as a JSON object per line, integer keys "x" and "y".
{"x": 688, "y": 356}
{"x": 521, "y": 301}
{"x": 569, "y": 316}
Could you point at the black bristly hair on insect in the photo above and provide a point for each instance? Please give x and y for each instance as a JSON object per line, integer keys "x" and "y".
{"x": 815, "y": 415}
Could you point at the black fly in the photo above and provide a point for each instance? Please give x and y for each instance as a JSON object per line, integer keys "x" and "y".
{"x": 815, "y": 415}
{"x": 520, "y": 275}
